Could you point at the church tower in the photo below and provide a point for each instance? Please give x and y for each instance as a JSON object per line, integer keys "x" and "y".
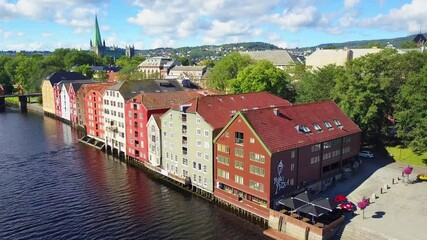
{"x": 97, "y": 45}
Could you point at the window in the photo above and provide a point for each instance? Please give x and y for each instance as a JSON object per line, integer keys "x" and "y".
{"x": 205, "y": 168}
{"x": 315, "y": 159}
{"x": 293, "y": 154}
{"x": 199, "y": 142}
{"x": 304, "y": 129}
{"x": 317, "y": 127}
{"x": 206, "y": 145}
{"x": 327, "y": 155}
{"x": 205, "y": 182}
{"x": 198, "y": 120}
{"x": 238, "y": 137}
{"x": 256, "y": 170}
{"x": 256, "y": 157}
{"x": 238, "y": 165}
{"x": 223, "y": 160}
{"x": 336, "y": 153}
{"x": 199, "y": 154}
{"x": 327, "y": 125}
{"x": 194, "y": 165}
{"x": 315, "y": 147}
{"x": 206, "y": 133}
{"x": 347, "y": 139}
{"x": 223, "y": 148}
{"x": 238, "y": 179}
{"x": 199, "y": 167}
{"x": 140, "y": 116}
{"x": 292, "y": 166}
{"x": 185, "y": 161}
{"x": 338, "y": 123}
{"x": 252, "y": 140}
{"x": 256, "y": 186}
{"x": 223, "y": 174}
{"x": 327, "y": 145}
{"x": 198, "y": 131}
{"x": 207, "y": 157}
{"x": 346, "y": 150}
{"x": 238, "y": 152}
{"x": 184, "y": 117}
{"x": 227, "y": 134}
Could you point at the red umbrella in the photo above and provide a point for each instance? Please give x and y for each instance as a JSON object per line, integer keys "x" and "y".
{"x": 407, "y": 170}
{"x": 339, "y": 198}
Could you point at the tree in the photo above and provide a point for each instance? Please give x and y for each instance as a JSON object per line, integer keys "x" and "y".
{"x": 263, "y": 76}
{"x": 85, "y": 70}
{"x": 226, "y": 69}
{"x": 318, "y": 85}
{"x": 185, "y": 61}
{"x": 408, "y": 44}
{"x": 208, "y": 63}
{"x": 5, "y": 80}
{"x": 77, "y": 58}
{"x": 364, "y": 91}
{"x": 411, "y": 112}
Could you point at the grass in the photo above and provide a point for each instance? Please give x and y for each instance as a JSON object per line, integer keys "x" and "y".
{"x": 406, "y": 155}
{"x": 12, "y": 101}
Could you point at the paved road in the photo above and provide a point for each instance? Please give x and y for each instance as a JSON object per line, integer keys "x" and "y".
{"x": 399, "y": 213}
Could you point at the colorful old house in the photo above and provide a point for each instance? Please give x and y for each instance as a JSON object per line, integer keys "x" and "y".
{"x": 188, "y": 131}
{"x": 73, "y": 99}
{"x": 154, "y": 140}
{"x": 265, "y": 154}
{"x": 137, "y": 112}
{"x": 115, "y": 98}
{"x": 94, "y": 112}
{"x": 48, "y": 88}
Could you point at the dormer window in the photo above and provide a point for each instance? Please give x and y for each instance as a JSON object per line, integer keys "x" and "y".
{"x": 328, "y": 125}
{"x": 317, "y": 127}
{"x": 304, "y": 129}
{"x": 338, "y": 123}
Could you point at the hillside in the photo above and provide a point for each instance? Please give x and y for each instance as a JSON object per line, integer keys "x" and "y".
{"x": 360, "y": 44}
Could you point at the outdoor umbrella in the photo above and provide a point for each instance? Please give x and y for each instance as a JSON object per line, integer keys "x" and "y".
{"x": 313, "y": 210}
{"x": 291, "y": 203}
{"x": 407, "y": 170}
{"x": 339, "y": 198}
{"x": 325, "y": 203}
{"x": 305, "y": 197}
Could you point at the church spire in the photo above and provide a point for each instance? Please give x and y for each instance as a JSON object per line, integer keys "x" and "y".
{"x": 97, "y": 40}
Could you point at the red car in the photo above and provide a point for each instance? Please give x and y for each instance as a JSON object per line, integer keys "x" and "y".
{"x": 346, "y": 205}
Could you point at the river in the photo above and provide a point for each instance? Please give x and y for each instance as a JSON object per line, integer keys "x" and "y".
{"x": 53, "y": 187}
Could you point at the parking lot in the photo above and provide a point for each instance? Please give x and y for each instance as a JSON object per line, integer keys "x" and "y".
{"x": 399, "y": 212}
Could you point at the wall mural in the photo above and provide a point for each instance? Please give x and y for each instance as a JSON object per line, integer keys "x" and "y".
{"x": 279, "y": 181}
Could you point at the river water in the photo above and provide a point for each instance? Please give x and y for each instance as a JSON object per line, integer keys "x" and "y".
{"x": 53, "y": 187}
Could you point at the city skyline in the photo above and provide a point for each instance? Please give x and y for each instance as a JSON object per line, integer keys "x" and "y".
{"x": 50, "y": 24}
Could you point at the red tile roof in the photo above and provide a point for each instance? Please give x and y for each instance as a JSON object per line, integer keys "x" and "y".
{"x": 217, "y": 109}
{"x": 164, "y": 100}
{"x": 280, "y": 132}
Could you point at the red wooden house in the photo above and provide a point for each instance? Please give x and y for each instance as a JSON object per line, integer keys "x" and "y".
{"x": 265, "y": 154}
{"x": 137, "y": 113}
{"x": 94, "y": 112}
{"x": 57, "y": 99}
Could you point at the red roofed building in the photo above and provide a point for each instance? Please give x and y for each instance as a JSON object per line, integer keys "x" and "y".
{"x": 188, "y": 132}
{"x": 265, "y": 154}
{"x": 137, "y": 113}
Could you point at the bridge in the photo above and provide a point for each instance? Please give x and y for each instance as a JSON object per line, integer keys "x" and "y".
{"x": 23, "y": 100}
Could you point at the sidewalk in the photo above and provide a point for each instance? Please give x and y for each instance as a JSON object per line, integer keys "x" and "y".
{"x": 400, "y": 212}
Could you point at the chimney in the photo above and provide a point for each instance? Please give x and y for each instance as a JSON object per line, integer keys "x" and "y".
{"x": 276, "y": 111}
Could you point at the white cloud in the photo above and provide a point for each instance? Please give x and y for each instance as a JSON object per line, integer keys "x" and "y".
{"x": 351, "y": 3}
{"x": 293, "y": 19}
{"x": 409, "y": 17}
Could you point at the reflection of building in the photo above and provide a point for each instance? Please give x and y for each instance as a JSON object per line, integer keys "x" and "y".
{"x": 98, "y": 46}
{"x": 188, "y": 131}
{"x": 156, "y": 67}
{"x": 263, "y": 154}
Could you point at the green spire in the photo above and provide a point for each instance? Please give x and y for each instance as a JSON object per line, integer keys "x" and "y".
{"x": 97, "y": 40}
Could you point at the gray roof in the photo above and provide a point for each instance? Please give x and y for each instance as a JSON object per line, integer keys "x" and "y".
{"x": 65, "y": 76}
{"x": 129, "y": 89}
{"x": 277, "y": 57}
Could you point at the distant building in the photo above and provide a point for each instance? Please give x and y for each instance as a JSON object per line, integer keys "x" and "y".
{"x": 420, "y": 39}
{"x": 157, "y": 67}
{"x": 98, "y": 46}
{"x": 323, "y": 57}
{"x": 280, "y": 58}
{"x": 193, "y": 73}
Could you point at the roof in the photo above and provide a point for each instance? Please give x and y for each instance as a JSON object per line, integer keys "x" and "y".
{"x": 419, "y": 38}
{"x": 282, "y": 131}
{"x": 277, "y": 57}
{"x": 88, "y": 87}
{"x": 188, "y": 68}
{"x": 129, "y": 89}
{"x": 323, "y": 57}
{"x": 165, "y": 100}
{"x": 69, "y": 76}
{"x": 356, "y": 53}
{"x": 156, "y": 62}
{"x": 77, "y": 84}
{"x": 217, "y": 109}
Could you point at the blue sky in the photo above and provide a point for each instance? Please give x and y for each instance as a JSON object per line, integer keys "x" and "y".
{"x": 51, "y": 24}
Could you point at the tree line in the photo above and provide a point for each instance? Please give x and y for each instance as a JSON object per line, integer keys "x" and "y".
{"x": 385, "y": 93}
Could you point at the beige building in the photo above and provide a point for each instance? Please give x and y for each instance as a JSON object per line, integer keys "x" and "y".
{"x": 157, "y": 66}
{"x": 323, "y": 57}
{"x": 47, "y": 88}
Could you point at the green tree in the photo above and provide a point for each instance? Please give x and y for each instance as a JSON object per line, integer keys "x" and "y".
{"x": 263, "y": 76}
{"x": 208, "y": 63}
{"x": 5, "y": 80}
{"x": 77, "y": 58}
{"x": 411, "y": 112}
{"x": 85, "y": 70}
{"x": 318, "y": 85}
{"x": 185, "y": 61}
{"x": 226, "y": 69}
{"x": 408, "y": 44}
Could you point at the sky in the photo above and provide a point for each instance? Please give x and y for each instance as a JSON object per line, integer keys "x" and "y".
{"x": 145, "y": 24}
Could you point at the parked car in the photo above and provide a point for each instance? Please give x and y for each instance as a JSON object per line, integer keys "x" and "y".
{"x": 366, "y": 154}
{"x": 346, "y": 205}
